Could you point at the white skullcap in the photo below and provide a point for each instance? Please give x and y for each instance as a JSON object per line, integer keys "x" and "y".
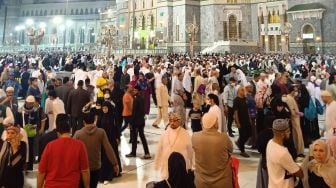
{"x": 10, "y": 89}
{"x": 209, "y": 120}
{"x": 326, "y": 93}
{"x": 30, "y": 98}
{"x": 318, "y": 82}
{"x": 312, "y": 78}
{"x": 262, "y": 74}
{"x": 8, "y": 121}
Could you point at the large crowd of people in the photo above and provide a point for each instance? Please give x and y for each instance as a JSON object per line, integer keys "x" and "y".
{"x": 77, "y": 106}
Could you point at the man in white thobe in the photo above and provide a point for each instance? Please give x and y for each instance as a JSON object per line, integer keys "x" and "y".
{"x": 54, "y": 106}
{"x": 330, "y": 118}
{"x": 174, "y": 139}
{"x": 80, "y": 74}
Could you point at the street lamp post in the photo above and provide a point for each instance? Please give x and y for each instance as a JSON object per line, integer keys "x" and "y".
{"x": 107, "y": 36}
{"x": 124, "y": 45}
{"x": 285, "y": 30}
{"x": 318, "y": 40}
{"x": 192, "y": 30}
{"x": 64, "y": 32}
{"x": 35, "y": 34}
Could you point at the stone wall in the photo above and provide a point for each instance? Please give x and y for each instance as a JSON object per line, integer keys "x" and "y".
{"x": 324, "y": 28}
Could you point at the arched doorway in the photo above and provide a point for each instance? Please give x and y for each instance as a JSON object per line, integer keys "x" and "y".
{"x": 308, "y": 35}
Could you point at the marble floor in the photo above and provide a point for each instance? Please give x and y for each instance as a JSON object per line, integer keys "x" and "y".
{"x": 137, "y": 172}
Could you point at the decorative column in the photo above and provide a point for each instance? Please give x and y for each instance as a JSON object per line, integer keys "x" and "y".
{"x": 228, "y": 30}
{"x": 284, "y": 45}
{"x": 237, "y": 27}
{"x": 275, "y": 43}
{"x": 261, "y": 42}
{"x": 266, "y": 33}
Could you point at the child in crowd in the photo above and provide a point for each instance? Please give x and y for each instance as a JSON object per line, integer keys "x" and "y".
{"x": 195, "y": 114}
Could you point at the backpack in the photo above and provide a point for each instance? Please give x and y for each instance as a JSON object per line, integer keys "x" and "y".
{"x": 310, "y": 113}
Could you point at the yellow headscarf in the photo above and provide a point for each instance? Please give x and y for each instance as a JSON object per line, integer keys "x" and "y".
{"x": 101, "y": 84}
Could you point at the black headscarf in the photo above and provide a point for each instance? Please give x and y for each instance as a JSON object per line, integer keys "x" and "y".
{"x": 110, "y": 108}
{"x": 108, "y": 124}
{"x": 178, "y": 176}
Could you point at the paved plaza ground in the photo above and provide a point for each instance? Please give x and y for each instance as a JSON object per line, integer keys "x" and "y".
{"x": 137, "y": 172}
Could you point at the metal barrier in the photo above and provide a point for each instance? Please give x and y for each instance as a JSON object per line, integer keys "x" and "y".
{"x": 88, "y": 48}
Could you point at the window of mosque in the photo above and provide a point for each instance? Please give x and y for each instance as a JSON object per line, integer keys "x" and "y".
{"x": 81, "y": 12}
{"x": 22, "y": 37}
{"x": 240, "y": 30}
{"x": 143, "y": 23}
{"x": 233, "y": 35}
{"x": 36, "y": 12}
{"x": 41, "y": 13}
{"x": 91, "y": 10}
{"x": 45, "y": 13}
{"x": 272, "y": 42}
{"x": 225, "y": 31}
{"x": 52, "y": 12}
{"x": 92, "y": 35}
{"x": 134, "y": 22}
{"x": 76, "y": 12}
{"x": 269, "y": 17}
{"x": 86, "y": 11}
{"x": 81, "y": 36}
{"x": 72, "y": 36}
{"x": 261, "y": 19}
{"x": 274, "y": 17}
{"x": 278, "y": 42}
{"x": 232, "y": 1}
{"x": 177, "y": 33}
{"x": 152, "y": 22}
{"x": 277, "y": 17}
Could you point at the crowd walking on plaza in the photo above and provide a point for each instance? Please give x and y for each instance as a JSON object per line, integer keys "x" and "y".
{"x": 70, "y": 113}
